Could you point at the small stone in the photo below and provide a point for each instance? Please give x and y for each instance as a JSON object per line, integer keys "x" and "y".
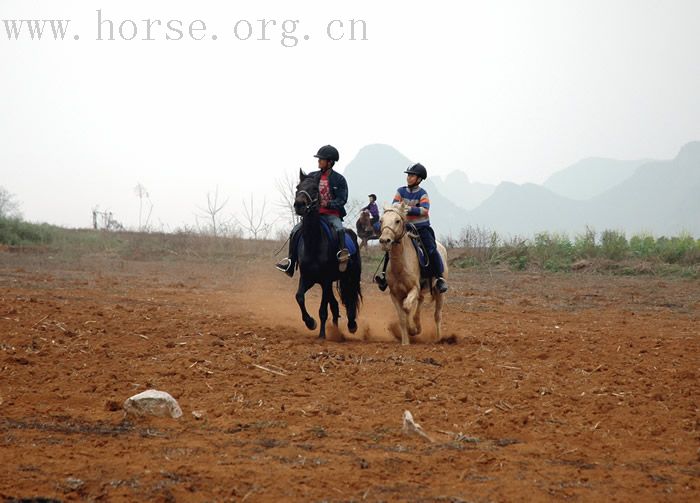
{"x": 74, "y": 484}
{"x": 153, "y": 402}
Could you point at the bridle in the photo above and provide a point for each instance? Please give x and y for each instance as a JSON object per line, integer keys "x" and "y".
{"x": 310, "y": 204}
{"x": 397, "y": 238}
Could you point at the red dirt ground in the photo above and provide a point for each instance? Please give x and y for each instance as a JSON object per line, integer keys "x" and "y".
{"x": 576, "y": 387}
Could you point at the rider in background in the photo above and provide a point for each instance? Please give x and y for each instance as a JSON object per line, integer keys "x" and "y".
{"x": 373, "y": 211}
{"x": 333, "y": 194}
{"x": 418, "y": 214}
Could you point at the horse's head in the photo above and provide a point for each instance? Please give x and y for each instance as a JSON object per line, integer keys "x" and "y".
{"x": 365, "y": 219}
{"x": 393, "y": 225}
{"x": 306, "y": 197}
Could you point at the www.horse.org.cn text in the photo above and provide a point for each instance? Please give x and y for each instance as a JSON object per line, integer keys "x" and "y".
{"x": 287, "y": 33}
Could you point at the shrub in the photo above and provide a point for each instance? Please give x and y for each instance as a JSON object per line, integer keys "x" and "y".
{"x": 676, "y": 250}
{"x": 553, "y": 251}
{"x": 15, "y": 232}
{"x": 584, "y": 244}
{"x": 643, "y": 246}
{"x": 613, "y": 245}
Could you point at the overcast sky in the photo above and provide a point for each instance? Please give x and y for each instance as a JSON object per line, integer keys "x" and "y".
{"x": 503, "y": 90}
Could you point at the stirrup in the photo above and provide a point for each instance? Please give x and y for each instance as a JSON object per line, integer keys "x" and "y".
{"x": 343, "y": 257}
{"x": 284, "y": 264}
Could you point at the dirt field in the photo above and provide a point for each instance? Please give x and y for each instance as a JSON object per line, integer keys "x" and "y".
{"x": 580, "y": 387}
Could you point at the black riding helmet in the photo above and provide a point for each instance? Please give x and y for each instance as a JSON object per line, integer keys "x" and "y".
{"x": 373, "y": 196}
{"x": 329, "y": 153}
{"x": 417, "y": 169}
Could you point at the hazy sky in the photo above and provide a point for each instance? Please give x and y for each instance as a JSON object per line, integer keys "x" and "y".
{"x": 503, "y": 90}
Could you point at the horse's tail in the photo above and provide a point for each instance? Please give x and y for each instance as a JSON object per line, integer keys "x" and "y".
{"x": 350, "y": 290}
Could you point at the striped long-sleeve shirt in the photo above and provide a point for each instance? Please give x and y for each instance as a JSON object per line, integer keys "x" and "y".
{"x": 417, "y": 199}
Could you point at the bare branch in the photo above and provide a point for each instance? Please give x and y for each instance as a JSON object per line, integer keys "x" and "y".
{"x": 286, "y": 187}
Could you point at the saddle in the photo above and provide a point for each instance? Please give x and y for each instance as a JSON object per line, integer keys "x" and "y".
{"x": 423, "y": 257}
{"x": 333, "y": 238}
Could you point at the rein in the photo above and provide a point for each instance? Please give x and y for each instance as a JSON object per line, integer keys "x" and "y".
{"x": 311, "y": 204}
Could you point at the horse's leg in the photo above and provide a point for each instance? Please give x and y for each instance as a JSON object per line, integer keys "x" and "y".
{"x": 416, "y": 315}
{"x": 335, "y": 309}
{"x": 305, "y": 316}
{"x": 410, "y": 305}
{"x": 327, "y": 292}
{"x": 403, "y": 320}
{"x": 438, "y": 313}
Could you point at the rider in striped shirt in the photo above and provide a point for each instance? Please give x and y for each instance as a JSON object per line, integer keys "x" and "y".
{"x": 419, "y": 215}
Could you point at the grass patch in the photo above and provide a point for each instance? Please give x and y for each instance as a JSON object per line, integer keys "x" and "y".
{"x": 609, "y": 252}
{"x": 17, "y": 235}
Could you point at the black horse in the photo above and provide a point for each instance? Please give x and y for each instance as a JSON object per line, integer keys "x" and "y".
{"x": 318, "y": 263}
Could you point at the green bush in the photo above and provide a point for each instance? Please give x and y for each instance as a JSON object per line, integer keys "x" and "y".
{"x": 677, "y": 250}
{"x": 15, "y": 232}
{"x": 613, "y": 245}
{"x": 643, "y": 246}
{"x": 584, "y": 244}
{"x": 553, "y": 251}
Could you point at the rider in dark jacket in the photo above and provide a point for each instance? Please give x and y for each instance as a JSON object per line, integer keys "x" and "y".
{"x": 333, "y": 194}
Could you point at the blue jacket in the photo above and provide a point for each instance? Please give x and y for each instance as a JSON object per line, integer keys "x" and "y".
{"x": 339, "y": 190}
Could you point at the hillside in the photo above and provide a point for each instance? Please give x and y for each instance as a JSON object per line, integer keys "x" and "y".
{"x": 591, "y": 177}
{"x": 660, "y": 197}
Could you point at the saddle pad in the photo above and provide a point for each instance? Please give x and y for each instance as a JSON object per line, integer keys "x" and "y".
{"x": 333, "y": 237}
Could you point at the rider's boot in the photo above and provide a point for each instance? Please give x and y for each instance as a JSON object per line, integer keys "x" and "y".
{"x": 380, "y": 279}
{"x": 441, "y": 284}
{"x": 286, "y": 265}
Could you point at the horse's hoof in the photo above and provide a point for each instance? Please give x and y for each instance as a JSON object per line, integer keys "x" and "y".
{"x": 310, "y": 324}
{"x": 352, "y": 326}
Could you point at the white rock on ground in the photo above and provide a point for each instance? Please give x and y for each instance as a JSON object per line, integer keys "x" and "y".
{"x": 153, "y": 402}
{"x": 410, "y": 426}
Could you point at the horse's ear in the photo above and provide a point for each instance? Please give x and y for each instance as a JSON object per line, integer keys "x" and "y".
{"x": 302, "y": 175}
{"x": 403, "y": 208}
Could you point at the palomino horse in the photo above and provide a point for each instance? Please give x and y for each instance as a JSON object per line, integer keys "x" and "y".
{"x": 365, "y": 231}
{"x": 403, "y": 274}
{"x": 318, "y": 263}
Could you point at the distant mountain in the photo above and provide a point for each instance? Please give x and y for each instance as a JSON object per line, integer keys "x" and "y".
{"x": 458, "y": 189}
{"x": 378, "y": 169}
{"x": 660, "y": 197}
{"x": 591, "y": 177}
{"x": 523, "y": 210}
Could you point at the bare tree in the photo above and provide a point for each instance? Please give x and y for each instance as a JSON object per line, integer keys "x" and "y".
{"x": 214, "y": 225}
{"x": 9, "y": 206}
{"x": 142, "y": 193}
{"x": 255, "y": 219}
{"x": 352, "y": 207}
{"x": 286, "y": 188}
